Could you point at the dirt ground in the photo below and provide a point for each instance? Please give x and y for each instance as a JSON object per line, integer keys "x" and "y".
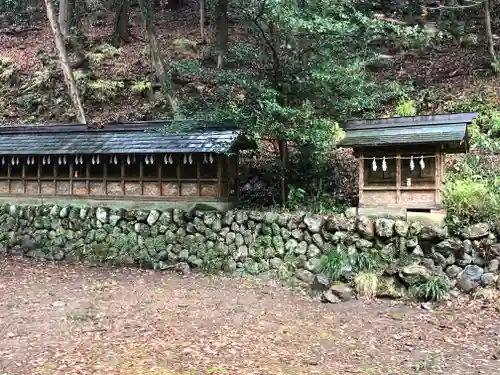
{"x": 72, "y": 319}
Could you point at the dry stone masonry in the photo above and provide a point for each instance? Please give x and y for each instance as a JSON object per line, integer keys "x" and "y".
{"x": 271, "y": 244}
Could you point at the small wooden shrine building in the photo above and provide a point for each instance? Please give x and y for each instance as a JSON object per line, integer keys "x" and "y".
{"x": 402, "y": 160}
{"x": 138, "y": 161}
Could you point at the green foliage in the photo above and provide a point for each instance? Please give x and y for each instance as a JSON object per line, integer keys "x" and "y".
{"x": 100, "y": 90}
{"x": 365, "y": 261}
{"x": 334, "y": 263}
{"x": 406, "y": 108}
{"x": 103, "y": 52}
{"x": 471, "y": 200}
{"x": 433, "y": 289}
{"x": 296, "y": 197}
{"x": 141, "y": 87}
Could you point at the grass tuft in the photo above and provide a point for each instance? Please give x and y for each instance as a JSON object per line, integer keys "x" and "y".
{"x": 434, "y": 289}
{"x": 367, "y": 284}
{"x": 334, "y": 264}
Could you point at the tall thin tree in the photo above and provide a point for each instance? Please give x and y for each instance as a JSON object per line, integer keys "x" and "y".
{"x": 157, "y": 57}
{"x": 64, "y": 61}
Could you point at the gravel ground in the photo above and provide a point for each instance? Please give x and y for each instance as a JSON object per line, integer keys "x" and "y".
{"x": 72, "y": 319}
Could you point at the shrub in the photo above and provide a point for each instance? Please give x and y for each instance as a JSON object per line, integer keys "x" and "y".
{"x": 471, "y": 200}
{"x": 334, "y": 263}
{"x": 406, "y": 108}
{"x": 366, "y": 284}
{"x": 365, "y": 261}
{"x": 434, "y": 289}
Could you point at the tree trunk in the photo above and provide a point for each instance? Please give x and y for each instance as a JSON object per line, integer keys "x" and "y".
{"x": 283, "y": 147}
{"x": 65, "y": 16}
{"x": 157, "y": 58}
{"x": 202, "y": 21}
{"x": 122, "y": 33}
{"x": 63, "y": 59}
{"x": 221, "y": 31}
{"x": 489, "y": 34}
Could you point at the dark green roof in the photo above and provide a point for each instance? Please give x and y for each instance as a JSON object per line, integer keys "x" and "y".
{"x": 449, "y": 130}
{"x": 134, "y": 137}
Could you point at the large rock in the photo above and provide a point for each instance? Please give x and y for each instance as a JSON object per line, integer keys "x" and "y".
{"x": 328, "y": 297}
{"x": 414, "y": 273}
{"x": 152, "y": 217}
{"x": 313, "y": 251}
{"x": 363, "y": 244}
{"x": 321, "y": 282}
{"x": 291, "y": 245}
{"x": 469, "y": 278}
{"x": 453, "y": 271}
{"x": 343, "y": 292}
{"x": 401, "y": 228}
{"x": 449, "y": 246}
{"x": 476, "y": 231}
{"x": 305, "y": 276}
{"x": 434, "y": 233}
{"x": 384, "y": 227}
{"x": 366, "y": 227}
{"x": 488, "y": 279}
{"x": 318, "y": 241}
{"x": 313, "y": 223}
{"x": 101, "y": 214}
{"x": 493, "y": 265}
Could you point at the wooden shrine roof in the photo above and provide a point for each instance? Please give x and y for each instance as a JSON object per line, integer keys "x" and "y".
{"x": 122, "y": 138}
{"x": 448, "y": 130}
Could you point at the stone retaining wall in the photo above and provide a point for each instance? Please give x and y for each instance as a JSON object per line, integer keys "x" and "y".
{"x": 274, "y": 244}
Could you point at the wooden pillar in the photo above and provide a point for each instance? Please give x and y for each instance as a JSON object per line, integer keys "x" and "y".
{"x": 9, "y": 173}
{"x": 87, "y": 173}
{"x": 178, "y": 173}
{"x": 361, "y": 172}
{"x": 122, "y": 173}
{"x": 23, "y": 174}
{"x": 198, "y": 175}
{"x": 71, "y": 172}
{"x": 220, "y": 161}
{"x": 53, "y": 161}
{"x": 237, "y": 174}
{"x": 39, "y": 173}
{"x": 141, "y": 173}
{"x": 105, "y": 161}
{"x": 160, "y": 165}
{"x": 398, "y": 176}
{"x": 437, "y": 178}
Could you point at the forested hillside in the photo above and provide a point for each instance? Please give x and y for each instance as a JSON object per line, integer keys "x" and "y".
{"x": 286, "y": 71}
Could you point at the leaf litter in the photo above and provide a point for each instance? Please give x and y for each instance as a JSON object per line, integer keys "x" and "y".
{"x": 72, "y": 319}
